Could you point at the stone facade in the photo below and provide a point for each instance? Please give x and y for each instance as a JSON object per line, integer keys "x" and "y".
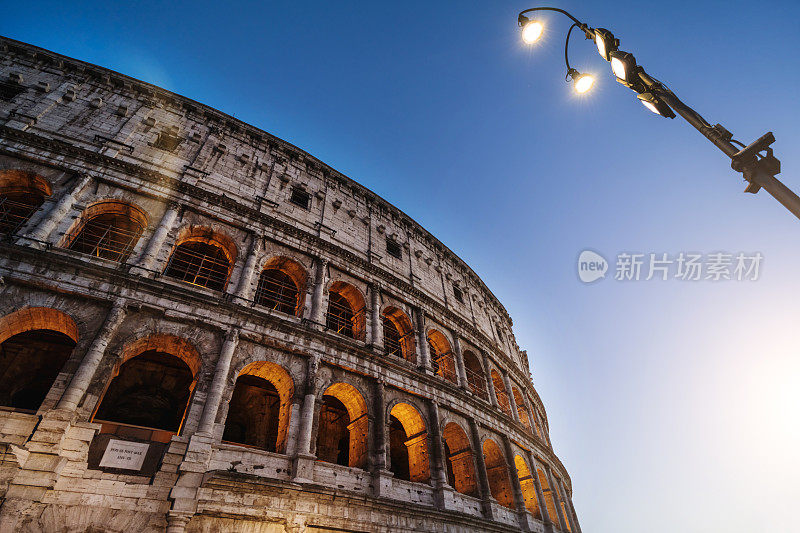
{"x": 316, "y": 360}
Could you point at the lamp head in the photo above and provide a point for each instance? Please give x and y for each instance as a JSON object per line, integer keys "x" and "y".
{"x": 624, "y": 65}
{"x": 656, "y": 105}
{"x": 531, "y": 29}
{"x": 606, "y": 42}
{"x": 583, "y": 82}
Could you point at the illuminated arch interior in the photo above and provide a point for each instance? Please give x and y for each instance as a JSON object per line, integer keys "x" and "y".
{"x": 398, "y": 335}
{"x": 442, "y": 359}
{"x": 109, "y": 229}
{"x": 282, "y": 286}
{"x": 500, "y": 392}
{"x": 528, "y": 486}
{"x": 343, "y": 427}
{"x": 459, "y": 461}
{"x": 345, "y": 310}
{"x": 408, "y": 442}
{"x": 497, "y": 470}
{"x": 21, "y": 194}
{"x": 475, "y": 376}
{"x": 202, "y": 257}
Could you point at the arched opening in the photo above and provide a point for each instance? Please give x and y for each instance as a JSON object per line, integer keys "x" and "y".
{"x": 500, "y": 392}
{"x": 109, "y": 229}
{"x": 150, "y": 391}
{"x": 528, "y": 487}
{"x": 459, "y": 462}
{"x": 564, "y": 513}
{"x": 258, "y": 412}
{"x": 21, "y": 194}
{"x": 343, "y": 427}
{"x": 345, "y": 310}
{"x": 282, "y": 286}
{"x": 522, "y": 413}
{"x": 442, "y": 359}
{"x": 253, "y": 414}
{"x": 547, "y": 493}
{"x": 202, "y": 257}
{"x": 35, "y": 342}
{"x": 497, "y": 470}
{"x": 475, "y": 375}
{"x": 398, "y": 335}
{"x": 408, "y": 444}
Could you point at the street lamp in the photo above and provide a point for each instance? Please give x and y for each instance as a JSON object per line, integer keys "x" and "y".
{"x": 755, "y": 161}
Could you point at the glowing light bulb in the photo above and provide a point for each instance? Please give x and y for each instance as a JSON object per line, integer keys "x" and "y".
{"x": 532, "y": 31}
{"x": 584, "y": 83}
{"x": 619, "y": 68}
{"x": 601, "y": 45}
{"x": 650, "y": 106}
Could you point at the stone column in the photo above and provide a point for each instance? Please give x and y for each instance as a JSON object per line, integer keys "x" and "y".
{"x": 460, "y": 369}
{"x": 215, "y": 392}
{"x": 243, "y": 291}
{"x": 318, "y": 296}
{"x": 573, "y": 518}
{"x": 83, "y": 376}
{"x": 381, "y": 475}
{"x": 422, "y": 340}
{"x": 376, "y": 329}
{"x": 483, "y": 475}
{"x": 49, "y": 221}
{"x": 487, "y": 369}
{"x": 556, "y": 499}
{"x": 512, "y": 402}
{"x": 548, "y": 523}
{"x": 156, "y": 242}
{"x": 176, "y": 523}
{"x": 303, "y": 461}
{"x": 516, "y": 487}
{"x": 442, "y": 491}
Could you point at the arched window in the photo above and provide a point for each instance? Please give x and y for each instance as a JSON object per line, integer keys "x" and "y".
{"x": 343, "y": 427}
{"x": 408, "y": 444}
{"x": 282, "y": 286}
{"x": 500, "y": 392}
{"x": 528, "y": 487}
{"x": 475, "y": 375}
{"x": 522, "y": 413}
{"x": 442, "y": 359}
{"x": 35, "y": 342}
{"x": 258, "y": 411}
{"x": 548, "y": 496}
{"x": 345, "y": 310}
{"x": 459, "y": 462}
{"x": 398, "y": 335}
{"x": 202, "y": 258}
{"x": 150, "y": 391}
{"x": 497, "y": 470}
{"x": 107, "y": 229}
{"x": 21, "y": 194}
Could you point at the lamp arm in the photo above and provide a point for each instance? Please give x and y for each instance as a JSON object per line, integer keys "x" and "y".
{"x": 576, "y": 21}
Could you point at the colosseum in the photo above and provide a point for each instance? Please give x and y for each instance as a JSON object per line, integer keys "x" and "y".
{"x": 206, "y": 329}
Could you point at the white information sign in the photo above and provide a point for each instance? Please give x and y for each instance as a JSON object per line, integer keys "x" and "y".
{"x": 124, "y": 454}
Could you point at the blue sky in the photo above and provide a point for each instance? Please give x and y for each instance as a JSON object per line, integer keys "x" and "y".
{"x": 672, "y": 404}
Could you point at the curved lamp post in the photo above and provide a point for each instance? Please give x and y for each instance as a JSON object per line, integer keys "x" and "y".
{"x": 755, "y": 161}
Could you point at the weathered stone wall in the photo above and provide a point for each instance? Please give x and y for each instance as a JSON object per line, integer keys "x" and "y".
{"x": 196, "y": 173}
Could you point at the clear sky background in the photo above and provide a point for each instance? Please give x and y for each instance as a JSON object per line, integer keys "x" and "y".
{"x": 674, "y": 405}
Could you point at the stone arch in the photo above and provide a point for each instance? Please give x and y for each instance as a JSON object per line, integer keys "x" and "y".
{"x": 282, "y": 285}
{"x": 528, "y": 486}
{"x": 497, "y": 471}
{"x": 408, "y": 443}
{"x": 459, "y": 461}
{"x": 202, "y": 256}
{"x": 345, "y": 313}
{"x": 500, "y": 392}
{"x": 109, "y": 229}
{"x": 343, "y": 426}
{"x": 21, "y": 194}
{"x": 522, "y": 412}
{"x": 35, "y": 342}
{"x": 398, "y": 334}
{"x": 260, "y": 407}
{"x": 442, "y": 359}
{"x": 150, "y": 387}
{"x": 475, "y": 375}
{"x": 547, "y": 493}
